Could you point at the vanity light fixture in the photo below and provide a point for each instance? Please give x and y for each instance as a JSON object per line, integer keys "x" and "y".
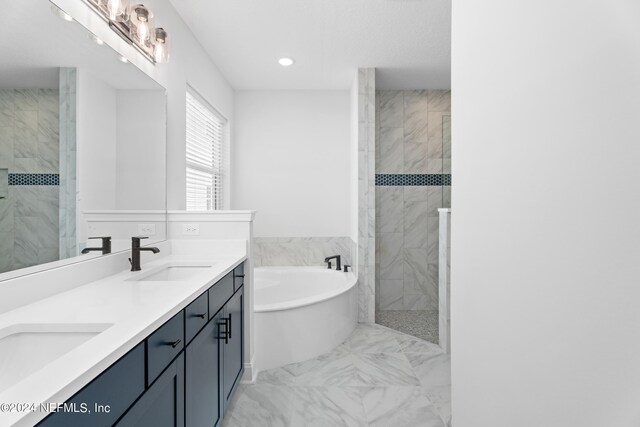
{"x": 161, "y": 46}
{"x": 118, "y": 10}
{"x": 134, "y": 23}
{"x": 286, "y": 62}
{"x": 141, "y": 21}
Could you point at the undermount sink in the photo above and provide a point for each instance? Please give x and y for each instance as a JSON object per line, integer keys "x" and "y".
{"x": 26, "y": 348}
{"x": 173, "y": 273}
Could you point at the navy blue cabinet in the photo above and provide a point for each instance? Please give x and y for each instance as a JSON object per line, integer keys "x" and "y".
{"x": 183, "y": 374}
{"x": 232, "y": 349}
{"x": 106, "y": 398}
{"x": 202, "y": 379}
{"x": 163, "y": 403}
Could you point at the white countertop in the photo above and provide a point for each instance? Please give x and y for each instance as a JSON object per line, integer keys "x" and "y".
{"x": 135, "y": 310}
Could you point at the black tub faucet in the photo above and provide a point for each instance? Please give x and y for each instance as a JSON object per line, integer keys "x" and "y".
{"x": 105, "y": 248}
{"x": 135, "y": 252}
{"x": 337, "y": 258}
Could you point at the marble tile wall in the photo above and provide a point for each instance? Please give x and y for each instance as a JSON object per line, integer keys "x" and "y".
{"x": 366, "y": 194}
{"x": 289, "y": 251}
{"x": 444, "y": 281}
{"x": 29, "y": 144}
{"x": 413, "y": 137}
{"x": 67, "y": 189}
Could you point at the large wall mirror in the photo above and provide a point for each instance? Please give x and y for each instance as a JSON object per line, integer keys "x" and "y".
{"x": 82, "y": 143}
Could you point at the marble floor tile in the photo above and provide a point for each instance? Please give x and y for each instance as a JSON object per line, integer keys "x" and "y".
{"x": 328, "y": 406}
{"x": 332, "y": 369}
{"x": 383, "y": 369}
{"x": 399, "y": 407}
{"x": 368, "y": 339}
{"x": 409, "y": 344}
{"x": 276, "y": 376}
{"x": 260, "y": 406}
{"x": 433, "y": 371}
{"x": 351, "y": 386}
{"x": 440, "y": 397}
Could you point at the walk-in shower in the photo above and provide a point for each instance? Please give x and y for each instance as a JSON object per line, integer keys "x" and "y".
{"x": 413, "y": 180}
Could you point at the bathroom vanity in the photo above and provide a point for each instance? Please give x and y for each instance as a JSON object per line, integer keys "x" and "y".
{"x": 163, "y": 346}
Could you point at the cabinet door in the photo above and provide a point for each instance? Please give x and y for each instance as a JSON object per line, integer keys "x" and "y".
{"x": 232, "y": 358}
{"x": 107, "y": 397}
{"x": 202, "y": 374}
{"x": 163, "y": 403}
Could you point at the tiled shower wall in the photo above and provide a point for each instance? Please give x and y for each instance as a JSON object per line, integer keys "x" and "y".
{"x": 366, "y": 84}
{"x": 29, "y": 152}
{"x": 67, "y": 220}
{"x": 409, "y": 140}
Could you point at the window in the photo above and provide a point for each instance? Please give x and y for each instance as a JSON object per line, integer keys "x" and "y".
{"x": 205, "y": 142}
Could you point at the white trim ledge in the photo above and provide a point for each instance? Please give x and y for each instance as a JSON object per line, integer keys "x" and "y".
{"x": 125, "y": 216}
{"x": 211, "y": 216}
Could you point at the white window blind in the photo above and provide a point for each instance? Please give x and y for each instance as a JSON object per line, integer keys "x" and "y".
{"x": 205, "y": 142}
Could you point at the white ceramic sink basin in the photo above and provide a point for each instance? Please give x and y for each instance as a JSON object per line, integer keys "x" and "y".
{"x": 26, "y": 348}
{"x": 174, "y": 273}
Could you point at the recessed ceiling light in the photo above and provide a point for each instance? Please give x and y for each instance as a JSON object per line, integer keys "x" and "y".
{"x": 67, "y": 17}
{"x": 123, "y": 59}
{"x": 285, "y": 62}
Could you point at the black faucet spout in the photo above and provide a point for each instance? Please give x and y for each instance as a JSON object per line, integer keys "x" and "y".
{"x": 337, "y": 258}
{"x": 105, "y": 248}
{"x": 135, "y": 252}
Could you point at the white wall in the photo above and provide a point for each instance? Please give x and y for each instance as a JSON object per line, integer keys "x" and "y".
{"x": 545, "y": 276}
{"x": 188, "y": 64}
{"x": 292, "y": 162}
{"x": 96, "y": 146}
{"x": 141, "y": 180}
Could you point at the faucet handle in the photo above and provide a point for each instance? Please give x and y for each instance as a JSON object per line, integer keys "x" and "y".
{"x": 104, "y": 238}
{"x": 136, "y": 239}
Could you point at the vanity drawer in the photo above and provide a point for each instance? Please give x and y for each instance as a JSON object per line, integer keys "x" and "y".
{"x": 220, "y": 293}
{"x": 196, "y": 315}
{"x": 238, "y": 277}
{"x": 164, "y": 345}
{"x": 118, "y": 387}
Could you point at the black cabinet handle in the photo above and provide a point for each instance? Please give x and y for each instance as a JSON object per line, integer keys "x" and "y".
{"x": 240, "y": 275}
{"x": 224, "y": 334}
{"x": 230, "y": 325}
{"x": 175, "y": 343}
{"x": 202, "y": 316}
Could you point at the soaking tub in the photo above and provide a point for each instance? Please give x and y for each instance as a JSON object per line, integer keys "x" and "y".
{"x": 301, "y": 313}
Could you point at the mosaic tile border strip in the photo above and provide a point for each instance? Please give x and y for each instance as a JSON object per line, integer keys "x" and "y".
{"x": 34, "y": 179}
{"x": 413, "y": 179}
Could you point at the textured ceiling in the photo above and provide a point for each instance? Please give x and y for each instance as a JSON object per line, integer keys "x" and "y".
{"x": 408, "y": 41}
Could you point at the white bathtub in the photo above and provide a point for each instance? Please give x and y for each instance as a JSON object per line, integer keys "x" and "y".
{"x": 301, "y": 313}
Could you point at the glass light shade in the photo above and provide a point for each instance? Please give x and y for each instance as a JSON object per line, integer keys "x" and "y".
{"x": 117, "y": 10}
{"x": 141, "y": 24}
{"x": 161, "y": 46}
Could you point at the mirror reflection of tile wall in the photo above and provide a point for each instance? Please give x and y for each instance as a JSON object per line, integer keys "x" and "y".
{"x": 29, "y": 141}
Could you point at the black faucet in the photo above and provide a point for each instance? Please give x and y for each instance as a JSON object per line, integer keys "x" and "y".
{"x": 135, "y": 252}
{"x": 105, "y": 248}
{"x": 328, "y": 261}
